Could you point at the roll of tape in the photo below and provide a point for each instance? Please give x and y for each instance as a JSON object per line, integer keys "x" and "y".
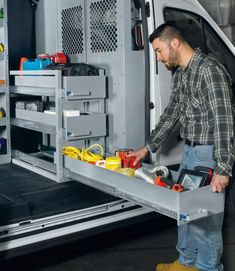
{"x": 101, "y": 163}
{"x": 113, "y": 163}
{"x": 160, "y": 171}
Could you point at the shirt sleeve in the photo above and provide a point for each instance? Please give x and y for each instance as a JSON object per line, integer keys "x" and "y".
{"x": 218, "y": 83}
{"x": 166, "y": 123}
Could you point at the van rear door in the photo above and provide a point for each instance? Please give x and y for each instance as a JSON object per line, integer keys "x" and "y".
{"x": 201, "y": 31}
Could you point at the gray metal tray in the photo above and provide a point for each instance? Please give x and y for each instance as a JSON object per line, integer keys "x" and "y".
{"x": 184, "y": 207}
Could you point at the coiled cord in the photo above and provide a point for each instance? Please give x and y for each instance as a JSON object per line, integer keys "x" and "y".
{"x": 85, "y": 155}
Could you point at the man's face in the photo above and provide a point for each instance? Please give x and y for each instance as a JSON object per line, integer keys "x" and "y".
{"x": 165, "y": 53}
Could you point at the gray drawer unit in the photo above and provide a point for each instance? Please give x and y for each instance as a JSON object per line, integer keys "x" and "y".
{"x": 84, "y": 93}
{"x": 184, "y": 207}
{"x": 85, "y": 126}
{"x": 84, "y": 87}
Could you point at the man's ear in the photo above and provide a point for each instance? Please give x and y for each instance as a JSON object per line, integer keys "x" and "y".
{"x": 175, "y": 43}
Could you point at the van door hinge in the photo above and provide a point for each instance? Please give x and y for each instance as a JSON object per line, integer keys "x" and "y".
{"x": 147, "y": 9}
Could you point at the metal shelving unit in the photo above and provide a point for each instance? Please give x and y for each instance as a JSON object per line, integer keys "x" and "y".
{"x": 5, "y": 149}
{"x": 27, "y": 83}
{"x": 84, "y": 93}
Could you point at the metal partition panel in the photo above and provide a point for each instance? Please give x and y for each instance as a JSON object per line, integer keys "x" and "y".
{"x": 71, "y": 17}
{"x": 46, "y": 27}
{"x": 108, "y": 40}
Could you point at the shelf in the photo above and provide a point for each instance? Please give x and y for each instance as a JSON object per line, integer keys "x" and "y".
{"x": 76, "y": 127}
{"x": 2, "y": 122}
{"x": 35, "y": 159}
{"x": 35, "y": 91}
{"x": 35, "y": 126}
{"x": 34, "y": 163}
{"x": 36, "y": 117}
{"x": 35, "y": 81}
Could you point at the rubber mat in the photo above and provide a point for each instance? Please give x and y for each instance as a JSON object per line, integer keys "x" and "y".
{"x": 27, "y": 195}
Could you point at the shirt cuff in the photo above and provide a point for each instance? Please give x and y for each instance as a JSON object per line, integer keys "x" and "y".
{"x": 151, "y": 146}
{"x": 221, "y": 170}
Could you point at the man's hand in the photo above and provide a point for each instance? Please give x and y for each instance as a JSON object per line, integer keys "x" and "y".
{"x": 219, "y": 182}
{"x": 139, "y": 154}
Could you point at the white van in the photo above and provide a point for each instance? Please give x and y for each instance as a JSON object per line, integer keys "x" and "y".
{"x": 48, "y": 196}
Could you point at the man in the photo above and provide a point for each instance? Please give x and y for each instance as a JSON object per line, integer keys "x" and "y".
{"x": 201, "y": 102}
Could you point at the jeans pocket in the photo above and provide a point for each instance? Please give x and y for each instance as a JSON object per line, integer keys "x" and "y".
{"x": 203, "y": 153}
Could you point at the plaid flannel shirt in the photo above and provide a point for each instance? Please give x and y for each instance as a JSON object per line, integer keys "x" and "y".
{"x": 201, "y": 101}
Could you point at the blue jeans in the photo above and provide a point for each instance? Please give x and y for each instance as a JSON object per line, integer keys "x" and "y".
{"x": 200, "y": 243}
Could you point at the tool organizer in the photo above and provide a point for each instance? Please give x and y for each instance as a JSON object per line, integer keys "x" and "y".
{"x": 86, "y": 94}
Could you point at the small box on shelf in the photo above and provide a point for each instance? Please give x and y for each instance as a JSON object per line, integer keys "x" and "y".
{"x": 3, "y": 145}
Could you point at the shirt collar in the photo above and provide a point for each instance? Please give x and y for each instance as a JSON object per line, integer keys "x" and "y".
{"x": 194, "y": 59}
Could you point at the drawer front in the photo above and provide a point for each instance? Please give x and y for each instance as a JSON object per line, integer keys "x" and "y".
{"x": 36, "y": 81}
{"x": 84, "y": 87}
{"x": 85, "y": 126}
{"x": 184, "y": 207}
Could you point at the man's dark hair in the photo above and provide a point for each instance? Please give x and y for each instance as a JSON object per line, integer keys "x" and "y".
{"x": 166, "y": 32}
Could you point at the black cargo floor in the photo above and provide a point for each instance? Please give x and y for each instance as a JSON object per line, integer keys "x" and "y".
{"x": 26, "y": 195}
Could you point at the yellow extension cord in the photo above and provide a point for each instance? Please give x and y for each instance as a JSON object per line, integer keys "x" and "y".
{"x": 84, "y": 155}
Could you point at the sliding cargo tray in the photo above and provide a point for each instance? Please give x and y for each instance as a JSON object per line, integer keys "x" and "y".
{"x": 184, "y": 207}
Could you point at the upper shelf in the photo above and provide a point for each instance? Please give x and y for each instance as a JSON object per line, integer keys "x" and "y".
{"x": 35, "y": 91}
{"x": 42, "y": 83}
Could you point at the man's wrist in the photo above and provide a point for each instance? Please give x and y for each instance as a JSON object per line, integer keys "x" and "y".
{"x": 219, "y": 170}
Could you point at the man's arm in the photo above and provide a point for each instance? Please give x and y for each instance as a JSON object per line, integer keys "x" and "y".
{"x": 220, "y": 100}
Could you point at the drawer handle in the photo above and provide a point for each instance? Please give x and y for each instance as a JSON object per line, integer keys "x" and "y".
{"x": 73, "y": 136}
{"x": 71, "y": 93}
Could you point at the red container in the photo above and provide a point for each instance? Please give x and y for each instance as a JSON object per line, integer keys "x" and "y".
{"x": 129, "y": 162}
